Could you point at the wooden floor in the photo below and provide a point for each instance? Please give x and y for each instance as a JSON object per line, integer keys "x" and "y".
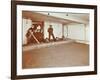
{"x": 63, "y": 55}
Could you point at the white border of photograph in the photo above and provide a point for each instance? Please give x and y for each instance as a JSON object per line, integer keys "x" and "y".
{"x": 35, "y": 71}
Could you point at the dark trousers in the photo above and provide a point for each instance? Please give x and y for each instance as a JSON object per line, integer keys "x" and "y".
{"x": 52, "y": 36}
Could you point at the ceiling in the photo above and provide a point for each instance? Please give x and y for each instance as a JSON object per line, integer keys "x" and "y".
{"x": 64, "y": 18}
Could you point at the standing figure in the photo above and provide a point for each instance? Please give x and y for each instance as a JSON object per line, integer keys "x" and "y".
{"x": 50, "y": 31}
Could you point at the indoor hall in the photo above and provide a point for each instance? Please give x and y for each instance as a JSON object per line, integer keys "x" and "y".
{"x": 55, "y": 39}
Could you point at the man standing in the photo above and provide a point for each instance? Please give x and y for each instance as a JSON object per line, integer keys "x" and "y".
{"x": 50, "y": 31}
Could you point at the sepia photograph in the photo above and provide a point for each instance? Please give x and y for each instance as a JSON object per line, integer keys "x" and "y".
{"x": 53, "y": 39}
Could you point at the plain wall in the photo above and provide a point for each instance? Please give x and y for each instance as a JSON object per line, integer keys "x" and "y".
{"x": 78, "y": 32}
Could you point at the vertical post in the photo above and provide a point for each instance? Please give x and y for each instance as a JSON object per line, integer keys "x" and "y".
{"x": 62, "y": 31}
{"x": 84, "y": 32}
{"x": 67, "y": 30}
